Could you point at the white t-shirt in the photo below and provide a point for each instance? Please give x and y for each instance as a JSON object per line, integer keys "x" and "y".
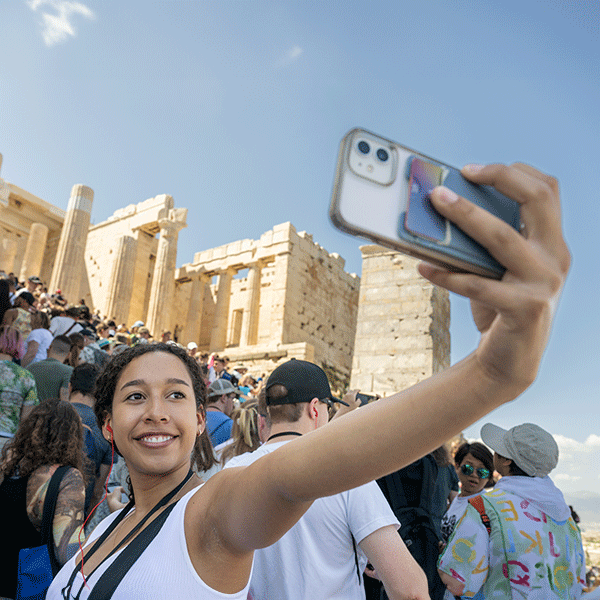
{"x": 44, "y": 338}
{"x": 315, "y": 559}
{"x": 60, "y": 326}
{"x": 164, "y": 569}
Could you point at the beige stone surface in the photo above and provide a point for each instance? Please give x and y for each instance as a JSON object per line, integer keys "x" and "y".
{"x": 403, "y": 325}
{"x": 69, "y": 265}
{"x": 271, "y": 294}
{"x": 163, "y": 283}
{"x": 34, "y": 251}
{"x": 17, "y": 215}
{"x": 109, "y": 290}
{"x": 258, "y": 301}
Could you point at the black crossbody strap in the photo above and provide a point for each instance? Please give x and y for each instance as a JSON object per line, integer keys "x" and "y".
{"x": 67, "y": 589}
{"x": 48, "y": 515}
{"x": 112, "y": 577}
{"x": 356, "y": 559}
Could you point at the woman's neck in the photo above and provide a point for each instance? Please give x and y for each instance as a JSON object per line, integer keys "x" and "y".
{"x": 149, "y": 490}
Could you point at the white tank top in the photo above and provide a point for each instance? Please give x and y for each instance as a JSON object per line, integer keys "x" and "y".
{"x": 164, "y": 569}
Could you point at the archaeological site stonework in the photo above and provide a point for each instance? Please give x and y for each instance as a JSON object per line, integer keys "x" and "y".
{"x": 268, "y": 300}
{"x": 259, "y": 302}
{"x": 403, "y": 325}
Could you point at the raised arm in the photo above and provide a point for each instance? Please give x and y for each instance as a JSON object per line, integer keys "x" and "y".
{"x": 514, "y": 316}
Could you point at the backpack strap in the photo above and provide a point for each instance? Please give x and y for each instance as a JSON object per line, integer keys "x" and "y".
{"x": 48, "y": 515}
{"x": 477, "y": 504}
{"x": 356, "y": 560}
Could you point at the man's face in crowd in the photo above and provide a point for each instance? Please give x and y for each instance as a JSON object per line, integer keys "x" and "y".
{"x": 219, "y": 366}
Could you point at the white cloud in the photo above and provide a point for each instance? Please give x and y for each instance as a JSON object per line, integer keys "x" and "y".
{"x": 57, "y": 26}
{"x": 290, "y": 56}
{"x": 578, "y": 464}
{"x": 566, "y": 477}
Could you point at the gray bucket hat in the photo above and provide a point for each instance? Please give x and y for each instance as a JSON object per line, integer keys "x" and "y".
{"x": 532, "y": 448}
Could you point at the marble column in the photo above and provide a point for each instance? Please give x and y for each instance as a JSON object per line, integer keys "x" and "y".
{"x": 195, "y": 308}
{"x": 120, "y": 284}
{"x": 163, "y": 280}
{"x": 8, "y": 252}
{"x": 34, "y": 252}
{"x": 218, "y": 336}
{"x": 69, "y": 264}
{"x": 251, "y": 306}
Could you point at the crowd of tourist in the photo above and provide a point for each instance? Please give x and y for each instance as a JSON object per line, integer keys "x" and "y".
{"x": 305, "y": 496}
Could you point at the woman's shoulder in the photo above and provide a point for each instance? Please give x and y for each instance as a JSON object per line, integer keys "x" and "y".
{"x": 37, "y": 486}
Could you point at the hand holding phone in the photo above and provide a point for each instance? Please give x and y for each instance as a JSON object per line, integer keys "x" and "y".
{"x": 381, "y": 192}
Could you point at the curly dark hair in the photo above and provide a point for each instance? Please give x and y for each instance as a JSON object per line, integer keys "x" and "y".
{"x": 51, "y": 434}
{"x": 107, "y": 382}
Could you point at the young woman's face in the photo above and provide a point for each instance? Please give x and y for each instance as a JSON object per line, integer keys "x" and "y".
{"x": 154, "y": 417}
{"x": 471, "y": 482}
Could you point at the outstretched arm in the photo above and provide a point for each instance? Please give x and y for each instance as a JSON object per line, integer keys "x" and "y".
{"x": 514, "y": 316}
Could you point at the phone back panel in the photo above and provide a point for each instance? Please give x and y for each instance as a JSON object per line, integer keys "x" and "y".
{"x": 377, "y": 211}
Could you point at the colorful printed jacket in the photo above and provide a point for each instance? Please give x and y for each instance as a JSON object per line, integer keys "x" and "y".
{"x": 533, "y": 552}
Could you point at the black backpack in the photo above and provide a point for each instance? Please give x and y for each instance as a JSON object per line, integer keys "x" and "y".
{"x": 410, "y": 492}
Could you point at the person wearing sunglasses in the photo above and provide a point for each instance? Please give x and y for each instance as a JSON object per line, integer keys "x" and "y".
{"x": 518, "y": 540}
{"x": 475, "y": 468}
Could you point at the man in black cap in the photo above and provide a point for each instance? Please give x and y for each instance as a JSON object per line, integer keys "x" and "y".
{"x": 519, "y": 539}
{"x": 324, "y": 555}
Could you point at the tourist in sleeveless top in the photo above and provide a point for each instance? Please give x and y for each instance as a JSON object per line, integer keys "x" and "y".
{"x": 50, "y": 437}
{"x": 180, "y": 539}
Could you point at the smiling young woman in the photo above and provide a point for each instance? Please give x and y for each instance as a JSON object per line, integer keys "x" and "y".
{"x": 151, "y": 400}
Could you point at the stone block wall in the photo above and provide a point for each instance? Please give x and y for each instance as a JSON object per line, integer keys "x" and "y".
{"x": 321, "y": 305}
{"x": 288, "y": 296}
{"x": 17, "y": 215}
{"x": 402, "y": 331}
{"x": 137, "y": 221}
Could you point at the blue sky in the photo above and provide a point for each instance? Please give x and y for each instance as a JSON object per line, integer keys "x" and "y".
{"x": 236, "y": 108}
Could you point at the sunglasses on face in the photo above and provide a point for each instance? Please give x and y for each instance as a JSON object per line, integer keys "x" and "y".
{"x": 468, "y": 470}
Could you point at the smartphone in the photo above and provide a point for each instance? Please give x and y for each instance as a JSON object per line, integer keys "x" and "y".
{"x": 381, "y": 192}
{"x": 365, "y": 398}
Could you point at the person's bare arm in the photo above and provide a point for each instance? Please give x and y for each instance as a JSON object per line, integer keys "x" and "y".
{"x": 68, "y": 515}
{"x": 99, "y": 485}
{"x": 9, "y": 316}
{"x": 25, "y": 411}
{"x": 454, "y": 586}
{"x": 514, "y": 316}
{"x": 32, "y": 348}
{"x": 400, "y": 573}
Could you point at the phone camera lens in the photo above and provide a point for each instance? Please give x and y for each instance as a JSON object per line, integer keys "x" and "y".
{"x": 382, "y": 154}
{"x": 364, "y": 147}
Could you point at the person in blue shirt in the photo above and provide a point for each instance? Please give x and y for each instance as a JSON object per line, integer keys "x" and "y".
{"x": 220, "y": 405}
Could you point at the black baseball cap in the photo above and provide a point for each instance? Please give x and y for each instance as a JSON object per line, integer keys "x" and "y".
{"x": 303, "y": 381}
{"x": 27, "y": 296}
